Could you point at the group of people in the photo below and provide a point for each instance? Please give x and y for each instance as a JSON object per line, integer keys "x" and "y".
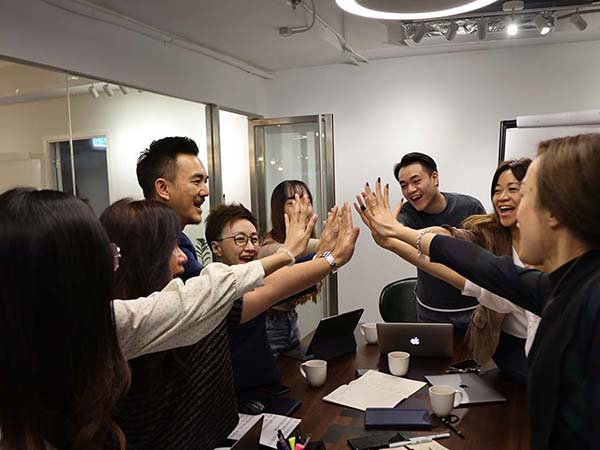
{"x": 117, "y": 336}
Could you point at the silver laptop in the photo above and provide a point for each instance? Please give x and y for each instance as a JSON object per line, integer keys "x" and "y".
{"x": 472, "y": 386}
{"x": 418, "y": 339}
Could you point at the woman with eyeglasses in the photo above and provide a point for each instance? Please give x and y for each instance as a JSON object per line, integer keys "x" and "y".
{"x": 232, "y": 233}
{"x": 185, "y": 398}
{"x": 559, "y": 222}
{"x": 64, "y": 363}
{"x": 283, "y": 330}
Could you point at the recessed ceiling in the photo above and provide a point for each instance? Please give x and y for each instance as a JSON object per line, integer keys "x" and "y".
{"x": 411, "y": 9}
{"x": 248, "y": 30}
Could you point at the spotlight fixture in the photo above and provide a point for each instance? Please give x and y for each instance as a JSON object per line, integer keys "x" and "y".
{"x": 124, "y": 89}
{"x": 420, "y": 33}
{"x": 579, "y": 22}
{"x": 452, "y": 30}
{"x": 512, "y": 29}
{"x": 543, "y": 25}
{"x": 482, "y": 27}
{"x": 93, "y": 91}
{"x": 109, "y": 91}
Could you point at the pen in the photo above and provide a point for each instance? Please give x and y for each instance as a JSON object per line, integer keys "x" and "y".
{"x": 418, "y": 440}
{"x": 282, "y": 442}
{"x": 308, "y": 436}
{"x": 459, "y": 433}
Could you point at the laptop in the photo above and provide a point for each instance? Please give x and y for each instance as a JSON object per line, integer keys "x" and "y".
{"x": 333, "y": 337}
{"x": 251, "y": 440}
{"x": 474, "y": 388}
{"x": 418, "y": 339}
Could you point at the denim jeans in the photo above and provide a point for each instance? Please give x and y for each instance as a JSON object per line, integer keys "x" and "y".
{"x": 460, "y": 320}
{"x": 283, "y": 331}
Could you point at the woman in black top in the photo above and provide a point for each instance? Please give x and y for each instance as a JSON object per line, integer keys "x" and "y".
{"x": 559, "y": 221}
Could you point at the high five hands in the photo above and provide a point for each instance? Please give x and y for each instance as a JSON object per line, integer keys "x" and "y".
{"x": 374, "y": 209}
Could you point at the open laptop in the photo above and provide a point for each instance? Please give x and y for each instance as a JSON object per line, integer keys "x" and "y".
{"x": 474, "y": 388}
{"x": 251, "y": 440}
{"x": 418, "y": 339}
{"x": 333, "y": 337}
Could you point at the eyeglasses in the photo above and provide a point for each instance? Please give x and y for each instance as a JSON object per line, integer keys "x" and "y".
{"x": 116, "y": 251}
{"x": 241, "y": 239}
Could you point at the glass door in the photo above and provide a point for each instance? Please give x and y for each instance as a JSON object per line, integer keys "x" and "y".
{"x": 296, "y": 148}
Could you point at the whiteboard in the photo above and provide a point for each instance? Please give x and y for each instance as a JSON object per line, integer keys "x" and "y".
{"x": 521, "y": 142}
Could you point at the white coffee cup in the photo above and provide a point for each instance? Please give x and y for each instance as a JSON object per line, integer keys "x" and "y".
{"x": 369, "y": 331}
{"x": 314, "y": 372}
{"x": 398, "y": 363}
{"x": 441, "y": 399}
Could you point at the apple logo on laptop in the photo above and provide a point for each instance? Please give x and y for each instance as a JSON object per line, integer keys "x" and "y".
{"x": 415, "y": 341}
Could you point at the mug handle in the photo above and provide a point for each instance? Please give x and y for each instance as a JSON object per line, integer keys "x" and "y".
{"x": 302, "y": 372}
{"x": 362, "y": 329}
{"x": 457, "y": 392}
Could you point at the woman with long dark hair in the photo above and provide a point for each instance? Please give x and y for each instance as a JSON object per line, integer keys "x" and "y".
{"x": 61, "y": 369}
{"x": 559, "y": 221}
{"x": 283, "y": 331}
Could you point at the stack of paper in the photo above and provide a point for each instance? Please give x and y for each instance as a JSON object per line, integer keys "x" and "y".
{"x": 374, "y": 390}
{"x": 271, "y": 423}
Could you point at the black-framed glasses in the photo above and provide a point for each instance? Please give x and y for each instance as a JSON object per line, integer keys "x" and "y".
{"x": 116, "y": 252}
{"x": 241, "y": 239}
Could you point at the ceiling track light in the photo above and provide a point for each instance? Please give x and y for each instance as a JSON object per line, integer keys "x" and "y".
{"x": 124, "y": 89}
{"x": 482, "y": 27}
{"x": 420, "y": 33}
{"x": 452, "y": 30}
{"x": 543, "y": 24}
{"x": 93, "y": 91}
{"x": 579, "y": 22}
{"x": 109, "y": 90}
{"x": 512, "y": 29}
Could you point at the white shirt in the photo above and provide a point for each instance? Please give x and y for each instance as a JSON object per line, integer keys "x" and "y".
{"x": 517, "y": 322}
{"x": 182, "y": 314}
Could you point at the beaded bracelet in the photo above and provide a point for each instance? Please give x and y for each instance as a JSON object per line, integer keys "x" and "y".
{"x": 421, "y": 234}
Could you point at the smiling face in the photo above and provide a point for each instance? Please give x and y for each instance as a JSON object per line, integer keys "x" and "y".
{"x": 228, "y": 251}
{"x": 289, "y": 203}
{"x": 188, "y": 191}
{"x": 418, "y": 187}
{"x": 506, "y": 198}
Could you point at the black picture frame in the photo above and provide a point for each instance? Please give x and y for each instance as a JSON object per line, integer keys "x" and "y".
{"x": 504, "y": 125}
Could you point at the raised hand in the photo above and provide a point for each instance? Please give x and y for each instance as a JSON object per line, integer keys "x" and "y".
{"x": 374, "y": 210}
{"x": 330, "y": 231}
{"x": 347, "y": 236}
{"x": 299, "y": 226}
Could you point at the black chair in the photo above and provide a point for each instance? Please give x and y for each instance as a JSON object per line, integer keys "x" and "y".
{"x": 398, "y": 302}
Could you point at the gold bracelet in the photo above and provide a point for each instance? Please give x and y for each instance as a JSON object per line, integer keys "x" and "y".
{"x": 421, "y": 234}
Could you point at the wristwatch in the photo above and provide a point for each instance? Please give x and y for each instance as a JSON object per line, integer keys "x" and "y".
{"x": 328, "y": 256}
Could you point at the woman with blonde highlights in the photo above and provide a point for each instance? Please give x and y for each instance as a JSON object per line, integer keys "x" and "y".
{"x": 559, "y": 220}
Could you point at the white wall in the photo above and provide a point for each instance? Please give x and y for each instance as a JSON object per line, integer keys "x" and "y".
{"x": 448, "y": 106}
{"x": 32, "y": 30}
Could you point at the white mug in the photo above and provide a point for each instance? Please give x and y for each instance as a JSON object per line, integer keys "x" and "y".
{"x": 314, "y": 372}
{"x": 441, "y": 399}
{"x": 369, "y": 332}
{"x": 398, "y": 363}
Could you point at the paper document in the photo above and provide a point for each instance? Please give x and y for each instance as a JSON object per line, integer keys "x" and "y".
{"x": 271, "y": 423}
{"x": 374, "y": 390}
{"x": 433, "y": 445}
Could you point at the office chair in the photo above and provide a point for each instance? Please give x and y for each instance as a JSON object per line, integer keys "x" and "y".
{"x": 397, "y": 301}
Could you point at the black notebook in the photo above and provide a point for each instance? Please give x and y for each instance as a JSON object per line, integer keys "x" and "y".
{"x": 398, "y": 418}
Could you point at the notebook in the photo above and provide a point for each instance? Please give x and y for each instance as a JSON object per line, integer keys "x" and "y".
{"x": 473, "y": 387}
{"x": 374, "y": 390}
{"x": 418, "y": 339}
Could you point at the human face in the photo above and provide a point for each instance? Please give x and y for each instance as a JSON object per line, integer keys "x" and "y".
{"x": 418, "y": 187}
{"x": 176, "y": 262}
{"x": 537, "y": 237}
{"x": 289, "y": 203}
{"x": 506, "y": 198}
{"x": 189, "y": 190}
{"x": 228, "y": 251}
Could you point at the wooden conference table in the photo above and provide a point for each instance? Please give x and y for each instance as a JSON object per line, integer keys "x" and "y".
{"x": 500, "y": 426}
